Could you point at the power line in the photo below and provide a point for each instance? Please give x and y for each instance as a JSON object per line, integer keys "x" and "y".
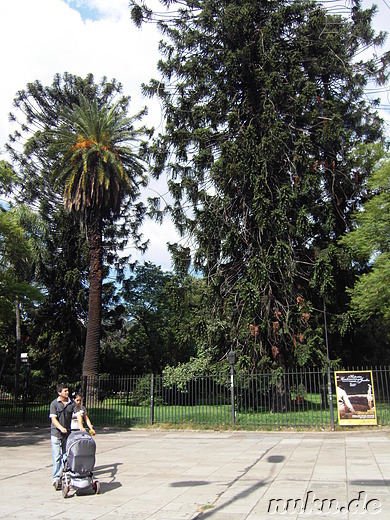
{"x": 386, "y": 4}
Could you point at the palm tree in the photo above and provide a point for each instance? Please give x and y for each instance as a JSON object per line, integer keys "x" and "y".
{"x": 97, "y": 168}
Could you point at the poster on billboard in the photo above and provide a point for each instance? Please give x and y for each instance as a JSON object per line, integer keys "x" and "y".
{"x": 355, "y": 397}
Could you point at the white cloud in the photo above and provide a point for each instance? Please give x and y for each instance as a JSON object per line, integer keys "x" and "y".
{"x": 381, "y": 22}
{"x": 108, "y": 9}
{"x": 40, "y": 38}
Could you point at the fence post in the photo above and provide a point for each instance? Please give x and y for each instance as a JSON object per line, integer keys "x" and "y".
{"x": 151, "y": 399}
{"x": 329, "y": 380}
{"x": 25, "y": 390}
{"x": 84, "y": 390}
{"x": 232, "y": 359}
{"x": 330, "y": 400}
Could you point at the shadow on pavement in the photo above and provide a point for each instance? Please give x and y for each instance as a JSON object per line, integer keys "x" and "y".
{"x": 111, "y": 469}
{"x": 106, "y": 487}
{"x": 13, "y": 437}
{"x": 275, "y": 459}
{"x": 189, "y": 483}
{"x": 108, "y": 471}
{"x": 272, "y": 459}
{"x": 368, "y": 482}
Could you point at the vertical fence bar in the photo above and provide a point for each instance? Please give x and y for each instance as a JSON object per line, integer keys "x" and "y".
{"x": 293, "y": 405}
{"x": 264, "y": 401}
{"x": 297, "y": 398}
{"x": 25, "y": 390}
{"x": 232, "y": 393}
{"x": 84, "y": 390}
{"x": 381, "y": 391}
{"x": 309, "y": 388}
{"x": 151, "y": 399}
{"x": 303, "y": 399}
{"x": 385, "y": 375}
{"x": 330, "y": 399}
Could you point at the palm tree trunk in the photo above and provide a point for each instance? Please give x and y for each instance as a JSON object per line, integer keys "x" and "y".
{"x": 92, "y": 344}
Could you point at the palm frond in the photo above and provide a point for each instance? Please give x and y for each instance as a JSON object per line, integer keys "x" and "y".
{"x": 98, "y": 162}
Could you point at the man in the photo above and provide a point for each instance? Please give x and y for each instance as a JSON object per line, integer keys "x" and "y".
{"x": 61, "y": 410}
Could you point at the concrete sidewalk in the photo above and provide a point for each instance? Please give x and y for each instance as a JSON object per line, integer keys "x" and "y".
{"x": 152, "y": 474}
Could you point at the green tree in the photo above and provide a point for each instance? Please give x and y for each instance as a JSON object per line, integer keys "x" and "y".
{"x": 160, "y": 319}
{"x": 57, "y": 327}
{"x": 53, "y": 331}
{"x": 370, "y": 246}
{"x": 264, "y": 102}
{"x": 80, "y": 141}
{"x": 98, "y": 168}
{"x": 157, "y": 311}
{"x": 8, "y": 177}
{"x": 17, "y": 273}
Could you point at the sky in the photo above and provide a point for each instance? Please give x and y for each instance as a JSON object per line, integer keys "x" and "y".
{"x": 39, "y": 38}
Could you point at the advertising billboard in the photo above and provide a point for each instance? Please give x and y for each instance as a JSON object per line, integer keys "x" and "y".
{"x": 355, "y": 397}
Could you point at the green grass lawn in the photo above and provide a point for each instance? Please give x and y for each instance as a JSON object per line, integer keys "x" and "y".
{"x": 118, "y": 413}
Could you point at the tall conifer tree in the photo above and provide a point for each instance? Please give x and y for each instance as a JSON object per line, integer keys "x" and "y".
{"x": 264, "y": 102}
{"x": 82, "y": 149}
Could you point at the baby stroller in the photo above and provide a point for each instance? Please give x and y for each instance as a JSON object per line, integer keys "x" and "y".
{"x": 78, "y": 463}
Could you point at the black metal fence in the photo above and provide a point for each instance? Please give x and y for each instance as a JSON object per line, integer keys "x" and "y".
{"x": 272, "y": 400}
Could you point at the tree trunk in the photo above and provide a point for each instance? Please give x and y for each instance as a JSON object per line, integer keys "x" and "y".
{"x": 92, "y": 345}
{"x": 3, "y": 363}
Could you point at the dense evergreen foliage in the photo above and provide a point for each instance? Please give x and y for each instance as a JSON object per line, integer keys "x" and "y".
{"x": 264, "y": 105}
{"x": 278, "y": 173}
{"x": 77, "y": 144}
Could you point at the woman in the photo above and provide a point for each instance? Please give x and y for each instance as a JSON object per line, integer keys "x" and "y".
{"x": 83, "y": 412}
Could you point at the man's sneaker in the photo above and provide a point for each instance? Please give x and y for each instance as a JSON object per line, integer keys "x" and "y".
{"x": 56, "y": 484}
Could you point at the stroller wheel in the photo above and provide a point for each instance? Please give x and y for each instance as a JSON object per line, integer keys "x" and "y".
{"x": 65, "y": 489}
{"x": 96, "y": 487}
